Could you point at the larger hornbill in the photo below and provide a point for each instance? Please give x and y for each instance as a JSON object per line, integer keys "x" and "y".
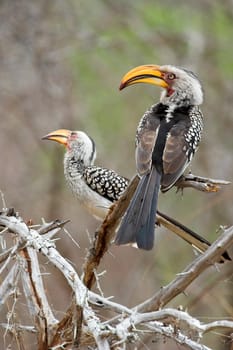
{"x": 167, "y": 137}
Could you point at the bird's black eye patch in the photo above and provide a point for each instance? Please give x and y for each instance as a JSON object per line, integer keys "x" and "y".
{"x": 171, "y": 76}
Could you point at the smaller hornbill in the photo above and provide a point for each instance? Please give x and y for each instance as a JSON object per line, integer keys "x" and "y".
{"x": 97, "y": 188}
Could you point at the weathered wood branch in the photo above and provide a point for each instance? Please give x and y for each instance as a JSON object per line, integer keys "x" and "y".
{"x": 191, "y": 272}
{"x": 9, "y": 284}
{"x": 38, "y": 304}
{"x": 172, "y": 323}
{"x": 47, "y": 248}
{"x": 143, "y": 318}
{"x": 200, "y": 183}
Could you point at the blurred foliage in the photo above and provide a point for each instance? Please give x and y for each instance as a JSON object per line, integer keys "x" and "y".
{"x": 61, "y": 65}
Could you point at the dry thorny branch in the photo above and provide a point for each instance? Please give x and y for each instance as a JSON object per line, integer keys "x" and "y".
{"x": 82, "y": 323}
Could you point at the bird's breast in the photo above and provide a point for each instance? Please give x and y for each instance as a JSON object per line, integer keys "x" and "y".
{"x": 95, "y": 204}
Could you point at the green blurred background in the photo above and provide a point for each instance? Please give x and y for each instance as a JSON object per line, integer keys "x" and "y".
{"x": 61, "y": 63}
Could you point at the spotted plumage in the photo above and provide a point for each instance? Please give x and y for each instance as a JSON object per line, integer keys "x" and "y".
{"x": 174, "y": 135}
{"x": 106, "y": 182}
{"x": 95, "y": 187}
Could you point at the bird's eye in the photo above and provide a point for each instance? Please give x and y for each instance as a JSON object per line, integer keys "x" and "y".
{"x": 171, "y": 76}
{"x": 73, "y": 135}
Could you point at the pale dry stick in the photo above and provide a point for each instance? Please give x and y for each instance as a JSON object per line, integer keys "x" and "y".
{"x": 34, "y": 288}
{"x": 178, "y": 286}
{"x": 191, "y": 272}
{"x": 171, "y": 323}
{"x": 18, "y": 328}
{"x": 45, "y": 229}
{"x": 200, "y": 183}
{"x": 206, "y": 290}
{"x": 3, "y": 200}
{"x": 217, "y": 325}
{"x": 102, "y": 342}
{"x": 10, "y": 254}
{"x": 158, "y": 328}
{"x": 36, "y": 298}
{"x": 184, "y": 279}
{"x": 43, "y": 245}
{"x": 95, "y": 299}
{"x": 9, "y": 284}
{"x": 176, "y": 317}
{"x": 177, "y": 336}
{"x": 47, "y": 248}
{"x": 104, "y": 303}
{"x": 180, "y": 320}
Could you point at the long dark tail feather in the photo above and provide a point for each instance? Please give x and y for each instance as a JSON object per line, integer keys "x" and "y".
{"x": 126, "y": 232}
{"x": 139, "y": 220}
{"x": 146, "y": 218}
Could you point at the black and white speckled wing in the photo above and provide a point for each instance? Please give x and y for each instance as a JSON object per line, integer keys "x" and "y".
{"x": 181, "y": 144}
{"x": 105, "y": 182}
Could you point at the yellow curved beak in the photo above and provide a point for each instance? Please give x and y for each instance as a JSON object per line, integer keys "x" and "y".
{"x": 148, "y": 74}
{"x": 60, "y": 136}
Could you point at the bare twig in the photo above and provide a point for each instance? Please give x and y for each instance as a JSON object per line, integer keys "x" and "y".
{"x": 6, "y": 257}
{"x": 169, "y": 322}
{"x": 9, "y": 285}
{"x": 50, "y": 228}
{"x": 36, "y": 296}
{"x": 206, "y": 290}
{"x": 181, "y": 282}
{"x": 3, "y": 200}
{"x": 176, "y": 317}
{"x": 9, "y": 253}
{"x": 178, "y": 336}
{"x": 178, "y": 325}
{"x": 18, "y": 328}
{"x": 200, "y": 183}
{"x": 104, "y": 303}
{"x": 47, "y": 247}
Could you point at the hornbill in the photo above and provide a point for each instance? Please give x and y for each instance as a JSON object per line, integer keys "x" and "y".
{"x": 167, "y": 137}
{"x": 97, "y": 188}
